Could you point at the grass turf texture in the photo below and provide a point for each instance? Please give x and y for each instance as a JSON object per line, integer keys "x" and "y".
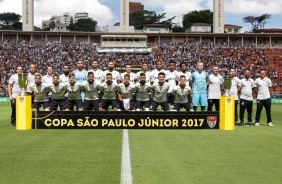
{"x": 246, "y": 155}
{"x": 64, "y": 156}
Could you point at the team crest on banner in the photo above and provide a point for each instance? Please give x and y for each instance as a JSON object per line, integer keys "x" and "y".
{"x": 228, "y": 100}
{"x": 21, "y": 99}
{"x": 211, "y": 121}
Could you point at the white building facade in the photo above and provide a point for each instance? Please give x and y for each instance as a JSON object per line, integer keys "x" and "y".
{"x": 156, "y": 28}
{"x": 229, "y": 28}
{"x": 80, "y": 15}
{"x": 200, "y": 28}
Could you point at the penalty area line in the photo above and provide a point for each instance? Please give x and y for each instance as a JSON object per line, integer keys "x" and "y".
{"x": 126, "y": 177}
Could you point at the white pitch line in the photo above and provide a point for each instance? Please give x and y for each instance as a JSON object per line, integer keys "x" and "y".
{"x": 126, "y": 177}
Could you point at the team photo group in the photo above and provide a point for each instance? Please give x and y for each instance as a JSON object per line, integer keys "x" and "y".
{"x": 173, "y": 89}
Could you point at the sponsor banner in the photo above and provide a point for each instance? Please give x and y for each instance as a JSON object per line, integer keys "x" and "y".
{"x": 276, "y": 100}
{"x": 4, "y": 99}
{"x": 124, "y": 120}
{"x": 122, "y": 69}
{"x": 273, "y": 100}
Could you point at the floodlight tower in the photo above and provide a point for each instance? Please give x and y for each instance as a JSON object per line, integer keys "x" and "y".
{"x": 28, "y": 15}
{"x": 218, "y": 16}
{"x": 124, "y": 15}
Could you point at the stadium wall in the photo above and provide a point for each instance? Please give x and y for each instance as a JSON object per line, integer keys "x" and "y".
{"x": 226, "y": 39}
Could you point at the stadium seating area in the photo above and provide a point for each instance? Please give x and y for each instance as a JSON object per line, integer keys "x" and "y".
{"x": 57, "y": 54}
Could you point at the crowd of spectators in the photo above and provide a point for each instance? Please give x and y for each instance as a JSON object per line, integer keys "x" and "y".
{"x": 56, "y": 54}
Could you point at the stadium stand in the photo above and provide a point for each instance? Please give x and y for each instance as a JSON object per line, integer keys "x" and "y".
{"x": 57, "y": 54}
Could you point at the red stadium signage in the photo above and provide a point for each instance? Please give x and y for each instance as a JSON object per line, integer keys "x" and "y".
{"x": 125, "y": 120}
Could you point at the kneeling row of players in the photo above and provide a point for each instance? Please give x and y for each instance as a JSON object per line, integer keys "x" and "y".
{"x": 141, "y": 96}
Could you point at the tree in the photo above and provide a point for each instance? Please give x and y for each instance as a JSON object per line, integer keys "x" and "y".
{"x": 138, "y": 19}
{"x": 86, "y": 25}
{"x": 71, "y": 20}
{"x": 258, "y": 22}
{"x": 177, "y": 29}
{"x": 7, "y": 20}
{"x": 203, "y": 16}
{"x": 17, "y": 26}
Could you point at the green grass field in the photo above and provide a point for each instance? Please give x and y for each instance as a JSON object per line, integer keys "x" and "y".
{"x": 246, "y": 155}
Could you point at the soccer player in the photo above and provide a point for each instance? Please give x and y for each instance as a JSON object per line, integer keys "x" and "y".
{"x": 39, "y": 90}
{"x": 80, "y": 73}
{"x": 236, "y": 85}
{"x": 214, "y": 89}
{"x": 13, "y": 91}
{"x": 154, "y": 78}
{"x": 143, "y": 92}
{"x": 58, "y": 91}
{"x": 98, "y": 74}
{"x": 91, "y": 88}
{"x": 64, "y": 79}
{"x": 184, "y": 71}
{"x": 262, "y": 85}
{"x": 48, "y": 79}
{"x": 115, "y": 74}
{"x": 172, "y": 79}
{"x": 109, "y": 93}
{"x": 199, "y": 81}
{"x": 74, "y": 97}
{"x": 133, "y": 76}
{"x": 31, "y": 79}
{"x": 125, "y": 94}
{"x": 159, "y": 92}
{"x": 181, "y": 94}
{"x": 144, "y": 69}
{"x": 246, "y": 97}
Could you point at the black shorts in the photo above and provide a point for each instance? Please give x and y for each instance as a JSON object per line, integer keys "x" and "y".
{"x": 155, "y": 105}
{"x": 90, "y": 104}
{"x": 178, "y": 106}
{"x": 72, "y": 103}
{"x": 105, "y": 103}
{"x": 37, "y": 105}
{"x": 141, "y": 104}
{"x": 170, "y": 98}
{"x": 55, "y": 103}
{"x": 121, "y": 106}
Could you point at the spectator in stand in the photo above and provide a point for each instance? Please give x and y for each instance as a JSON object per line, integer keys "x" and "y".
{"x": 47, "y": 53}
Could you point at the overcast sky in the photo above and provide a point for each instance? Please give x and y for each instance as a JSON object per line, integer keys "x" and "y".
{"x": 106, "y": 12}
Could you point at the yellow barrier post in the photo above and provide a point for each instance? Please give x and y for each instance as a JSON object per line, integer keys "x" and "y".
{"x": 226, "y": 113}
{"x": 23, "y": 113}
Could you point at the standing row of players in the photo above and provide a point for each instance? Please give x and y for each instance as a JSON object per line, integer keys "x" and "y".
{"x": 100, "y": 89}
{"x": 144, "y": 90}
